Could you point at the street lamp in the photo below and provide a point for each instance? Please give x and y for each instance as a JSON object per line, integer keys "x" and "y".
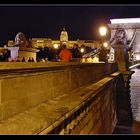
{"x": 55, "y": 46}
{"x": 82, "y": 50}
{"x": 105, "y": 44}
{"x": 103, "y": 52}
{"x": 103, "y": 31}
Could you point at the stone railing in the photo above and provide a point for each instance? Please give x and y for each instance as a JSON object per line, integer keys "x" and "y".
{"x": 60, "y": 98}
{"x": 96, "y": 114}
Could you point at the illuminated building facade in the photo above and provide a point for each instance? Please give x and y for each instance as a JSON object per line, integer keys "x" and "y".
{"x": 48, "y": 42}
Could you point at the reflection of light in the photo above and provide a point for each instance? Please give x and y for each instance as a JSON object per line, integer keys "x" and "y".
{"x": 105, "y": 44}
{"x": 125, "y": 20}
{"x": 82, "y": 50}
{"x": 134, "y": 66}
{"x": 103, "y": 30}
{"x": 55, "y": 46}
{"x": 83, "y": 60}
{"x": 95, "y": 59}
{"x": 40, "y": 41}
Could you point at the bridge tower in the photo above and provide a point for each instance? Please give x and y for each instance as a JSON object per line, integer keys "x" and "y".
{"x": 131, "y": 27}
{"x": 125, "y": 35}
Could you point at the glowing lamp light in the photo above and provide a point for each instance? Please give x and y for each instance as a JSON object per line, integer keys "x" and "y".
{"x": 105, "y": 44}
{"x": 82, "y": 50}
{"x": 108, "y": 55}
{"x": 55, "y": 46}
{"x": 103, "y": 30}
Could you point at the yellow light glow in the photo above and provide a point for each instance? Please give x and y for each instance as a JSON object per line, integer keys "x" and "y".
{"x": 55, "y": 46}
{"x": 103, "y": 30}
{"x": 82, "y": 50}
{"x": 105, "y": 44}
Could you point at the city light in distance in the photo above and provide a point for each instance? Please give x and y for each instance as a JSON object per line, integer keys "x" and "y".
{"x": 82, "y": 50}
{"x": 55, "y": 46}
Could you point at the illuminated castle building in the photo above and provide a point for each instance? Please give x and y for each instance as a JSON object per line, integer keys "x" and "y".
{"x": 48, "y": 42}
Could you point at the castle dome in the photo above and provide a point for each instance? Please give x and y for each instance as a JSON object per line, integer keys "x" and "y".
{"x": 64, "y": 35}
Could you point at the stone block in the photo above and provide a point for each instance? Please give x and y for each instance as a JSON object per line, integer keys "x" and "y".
{"x": 61, "y": 82}
{"x": 1, "y": 113}
{"x": 21, "y": 87}
{"x": 14, "y": 106}
{"x": 74, "y": 75}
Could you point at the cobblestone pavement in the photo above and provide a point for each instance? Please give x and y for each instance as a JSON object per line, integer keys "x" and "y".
{"x": 135, "y": 94}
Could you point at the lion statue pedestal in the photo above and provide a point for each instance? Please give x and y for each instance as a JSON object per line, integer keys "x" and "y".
{"x": 21, "y": 49}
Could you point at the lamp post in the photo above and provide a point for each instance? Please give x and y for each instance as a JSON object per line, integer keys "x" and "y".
{"x": 104, "y": 44}
{"x": 82, "y": 50}
{"x": 55, "y": 46}
{"x": 103, "y": 31}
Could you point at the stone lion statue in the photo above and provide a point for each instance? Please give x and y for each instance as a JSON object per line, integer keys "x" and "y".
{"x": 20, "y": 40}
{"x": 119, "y": 37}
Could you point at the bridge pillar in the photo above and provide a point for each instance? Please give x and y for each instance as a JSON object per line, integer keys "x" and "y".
{"x": 123, "y": 101}
{"x": 121, "y": 57}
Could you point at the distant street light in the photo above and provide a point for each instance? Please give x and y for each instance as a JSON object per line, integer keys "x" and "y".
{"x": 82, "y": 50}
{"x": 55, "y": 46}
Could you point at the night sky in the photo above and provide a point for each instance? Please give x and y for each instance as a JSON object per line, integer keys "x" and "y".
{"x": 81, "y": 22}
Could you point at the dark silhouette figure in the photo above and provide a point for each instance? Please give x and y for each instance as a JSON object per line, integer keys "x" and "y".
{"x": 23, "y": 59}
{"x": 49, "y": 53}
{"x": 76, "y": 54}
{"x": 1, "y": 57}
{"x": 6, "y": 55}
{"x": 33, "y": 59}
{"x": 29, "y": 60}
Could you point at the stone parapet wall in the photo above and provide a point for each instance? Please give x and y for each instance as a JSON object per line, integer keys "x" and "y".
{"x": 25, "y": 85}
{"x": 97, "y": 115}
{"x": 90, "y": 109}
